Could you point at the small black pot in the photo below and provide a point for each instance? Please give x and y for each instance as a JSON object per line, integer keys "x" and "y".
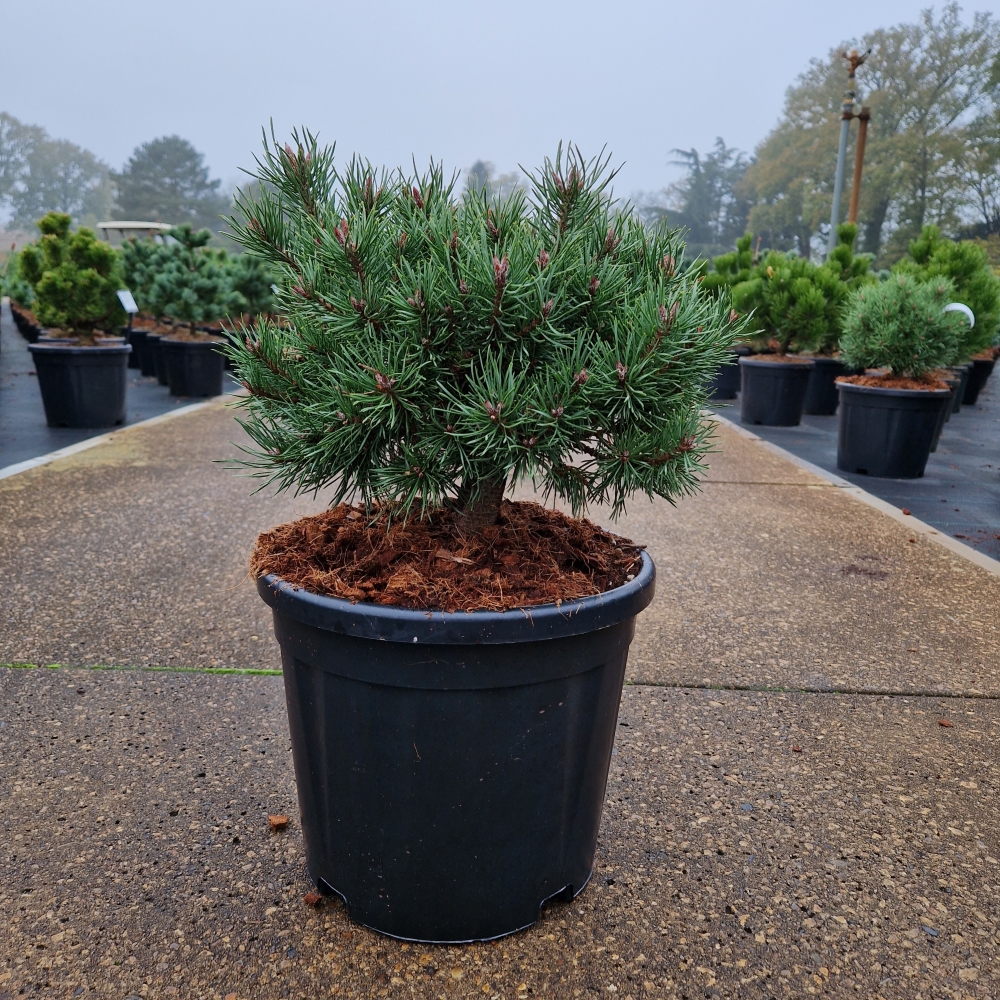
{"x": 82, "y": 386}
{"x": 945, "y": 416}
{"x": 962, "y": 371}
{"x": 887, "y": 432}
{"x": 822, "y": 396}
{"x": 193, "y": 367}
{"x": 726, "y": 383}
{"x": 147, "y": 355}
{"x": 982, "y": 368}
{"x": 136, "y": 336}
{"x": 451, "y": 768}
{"x": 773, "y": 391}
{"x": 160, "y": 361}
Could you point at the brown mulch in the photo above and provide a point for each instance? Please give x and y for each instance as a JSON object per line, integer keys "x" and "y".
{"x": 895, "y": 382}
{"x": 532, "y": 556}
{"x": 990, "y": 354}
{"x": 182, "y": 333}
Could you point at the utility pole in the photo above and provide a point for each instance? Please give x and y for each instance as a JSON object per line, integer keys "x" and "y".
{"x": 846, "y": 114}
{"x": 859, "y": 159}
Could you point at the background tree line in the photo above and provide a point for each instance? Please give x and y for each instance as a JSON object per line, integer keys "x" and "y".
{"x": 165, "y": 180}
{"x": 933, "y": 152}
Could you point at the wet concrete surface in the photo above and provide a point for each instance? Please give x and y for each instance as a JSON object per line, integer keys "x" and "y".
{"x": 23, "y": 431}
{"x": 755, "y": 843}
{"x": 959, "y": 492}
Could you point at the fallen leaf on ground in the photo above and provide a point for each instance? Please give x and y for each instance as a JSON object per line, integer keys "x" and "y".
{"x": 312, "y": 899}
{"x": 945, "y": 723}
{"x": 278, "y": 822}
{"x": 797, "y": 749}
{"x": 905, "y": 511}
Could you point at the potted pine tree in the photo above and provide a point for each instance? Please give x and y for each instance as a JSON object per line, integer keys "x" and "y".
{"x": 967, "y": 266}
{"x": 838, "y": 276}
{"x": 81, "y": 369}
{"x": 887, "y": 421}
{"x": 192, "y": 285}
{"x": 789, "y": 299}
{"x": 730, "y": 269}
{"x": 453, "y": 660}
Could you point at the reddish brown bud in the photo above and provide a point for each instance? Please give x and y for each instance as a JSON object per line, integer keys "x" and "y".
{"x": 668, "y": 264}
{"x": 401, "y": 242}
{"x": 417, "y": 198}
{"x": 454, "y": 242}
{"x": 490, "y": 226}
{"x": 463, "y": 287}
{"x": 733, "y": 315}
{"x": 611, "y": 242}
{"x": 501, "y": 268}
{"x": 383, "y": 384}
{"x": 542, "y": 260}
{"x": 621, "y": 370}
{"x": 493, "y": 412}
{"x": 557, "y": 412}
{"x": 547, "y": 308}
{"x": 300, "y": 291}
{"x": 581, "y": 378}
{"x": 595, "y": 283}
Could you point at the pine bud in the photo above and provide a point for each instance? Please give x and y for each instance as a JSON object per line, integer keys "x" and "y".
{"x": 542, "y": 260}
{"x": 621, "y": 370}
{"x": 580, "y": 379}
{"x": 454, "y": 243}
{"x": 668, "y": 264}
{"x": 557, "y": 412}
{"x": 500, "y": 271}
{"x": 493, "y": 412}
{"x": 733, "y": 315}
{"x": 595, "y": 283}
{"x": 547, "y": 308}
{"x": 383, "y": 384}
{"x": 463, "y": 287}
{"x": 611, "y": 242}
{"x": 417, "y": 198}
{"x": 493, "y": 231}
{"x": 401, "y": 242}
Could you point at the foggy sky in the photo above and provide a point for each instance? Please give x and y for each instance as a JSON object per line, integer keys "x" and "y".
{"x": 391, "y": 79}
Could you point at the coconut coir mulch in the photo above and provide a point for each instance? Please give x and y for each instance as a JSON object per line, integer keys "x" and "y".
{"x": 531, "y": 556}
{"x": 895, "y": 382}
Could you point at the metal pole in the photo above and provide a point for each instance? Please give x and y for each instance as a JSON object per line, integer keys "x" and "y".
{"x": 846, "y": 114}
{"x": 859, "y": 160}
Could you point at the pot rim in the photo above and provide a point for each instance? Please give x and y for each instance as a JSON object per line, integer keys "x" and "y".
{"x": 392, "y": 624}
{"x": 37, "y": 348}
{"x": 169, "y": 339}
{"x": 798, "y": 362}
{"x": 880, "y": 390}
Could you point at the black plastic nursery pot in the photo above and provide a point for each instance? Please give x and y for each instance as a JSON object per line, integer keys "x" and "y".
{"x": 982, "y": 368}
{"x": 726, "y": 383}
{"x": 945, "y": 414}
{"x": 451, "y": 768}
{"x": 147, "y": 352}
{"x": 887, "y": 432}
{"x": 160, "y": 361}
{"x": 773, "y": 391}
{"x": 822, "y": 397}
{"x": 135, "y": 336}
{"x": 962, "y": 371}
{"x": 82, "y": 386}
{"x": 193, "y": 367}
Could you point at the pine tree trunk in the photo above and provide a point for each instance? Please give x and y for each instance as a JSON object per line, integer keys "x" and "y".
{"x": 476, "y": 514}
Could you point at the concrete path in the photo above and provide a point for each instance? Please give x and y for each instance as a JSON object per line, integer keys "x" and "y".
{"x": 821, "y": 834}
{"x": 959, "y": 492}
{"x": 23, "y": 432}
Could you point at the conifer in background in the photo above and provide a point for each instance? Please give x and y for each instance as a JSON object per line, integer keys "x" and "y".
{"x": 74, "y": 277}
{"x": 436, "y": 351}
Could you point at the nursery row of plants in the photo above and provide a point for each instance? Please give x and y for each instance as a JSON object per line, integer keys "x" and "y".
{"x": 66, "y": 292}
{"x": 897, "y": 353}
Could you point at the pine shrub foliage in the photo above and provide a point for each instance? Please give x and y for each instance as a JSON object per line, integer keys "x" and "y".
{"x": 900, "y": 324}
{"x": 436, "y": 350}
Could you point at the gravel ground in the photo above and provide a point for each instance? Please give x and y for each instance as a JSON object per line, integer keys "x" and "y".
{"x": 753, "y": 845}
